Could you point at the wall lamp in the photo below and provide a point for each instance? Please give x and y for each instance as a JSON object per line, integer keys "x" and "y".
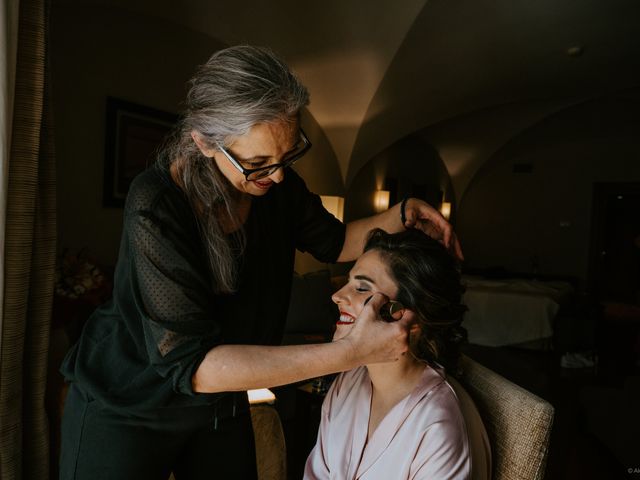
{"x": 445, "y": 209}
{"x": 334, "y": 205}
{"x": 381, "y": 200}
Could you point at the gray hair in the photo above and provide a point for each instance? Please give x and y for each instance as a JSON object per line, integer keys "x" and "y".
{"x": 236, "y": 89}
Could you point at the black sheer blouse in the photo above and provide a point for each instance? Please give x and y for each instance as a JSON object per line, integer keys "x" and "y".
{"x": 140, "y": 350}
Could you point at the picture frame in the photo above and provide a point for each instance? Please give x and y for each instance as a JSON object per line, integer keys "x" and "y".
{"x": 133, "y": 135}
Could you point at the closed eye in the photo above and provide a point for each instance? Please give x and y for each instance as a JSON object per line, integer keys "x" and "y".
{"x": 361, "y": 285}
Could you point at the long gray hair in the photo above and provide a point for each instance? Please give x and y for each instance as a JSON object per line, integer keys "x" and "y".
{"x": 236, "y": 89}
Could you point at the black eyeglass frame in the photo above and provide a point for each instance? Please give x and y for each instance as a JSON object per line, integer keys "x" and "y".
{"x": 274, "y": 167}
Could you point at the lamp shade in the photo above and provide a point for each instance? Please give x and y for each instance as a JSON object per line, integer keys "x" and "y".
{"x": 445, "y": 209}
{"x": 334, "y": 205}
{"x": 381, "y": 200}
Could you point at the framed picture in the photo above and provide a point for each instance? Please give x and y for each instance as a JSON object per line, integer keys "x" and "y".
{"x": 133, "y": 134}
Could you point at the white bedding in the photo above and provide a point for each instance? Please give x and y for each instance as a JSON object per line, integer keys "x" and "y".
{"x": 511, "y": 311}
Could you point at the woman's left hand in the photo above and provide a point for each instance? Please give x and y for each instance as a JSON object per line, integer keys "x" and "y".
{"x": 419, "y": 214}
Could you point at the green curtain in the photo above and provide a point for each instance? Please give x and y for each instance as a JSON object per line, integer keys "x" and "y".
{"x": 30, "y": 243}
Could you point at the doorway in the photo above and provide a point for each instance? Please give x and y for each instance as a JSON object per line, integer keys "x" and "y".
{"x": 614, "y": 274}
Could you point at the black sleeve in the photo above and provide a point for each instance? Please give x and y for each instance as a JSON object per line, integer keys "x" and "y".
{"x": 172, "y": 293}
{"x": 317, "y": 231}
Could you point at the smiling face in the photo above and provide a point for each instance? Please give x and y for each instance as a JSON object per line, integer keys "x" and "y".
{"x": 264, "y": 144}
{"x": 369, "y": 275}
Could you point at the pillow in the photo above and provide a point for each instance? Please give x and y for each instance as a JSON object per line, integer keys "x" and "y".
{"x": 310, "y": 308}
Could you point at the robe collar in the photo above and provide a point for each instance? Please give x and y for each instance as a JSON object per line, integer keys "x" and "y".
{"x": 390, "y": 424}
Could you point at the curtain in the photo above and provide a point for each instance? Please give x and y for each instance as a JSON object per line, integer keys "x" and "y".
{"x": 29, "y": 256}
{"x": 8, "y": 47}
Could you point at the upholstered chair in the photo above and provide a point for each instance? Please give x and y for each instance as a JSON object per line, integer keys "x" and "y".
{"x": 518, "y": 422}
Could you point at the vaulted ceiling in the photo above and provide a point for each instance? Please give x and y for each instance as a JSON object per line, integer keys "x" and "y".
{"x": 378, "y": 70}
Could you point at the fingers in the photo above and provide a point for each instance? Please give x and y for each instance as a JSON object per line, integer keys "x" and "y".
{"x": 450, "y": 240}
{"x": 452, "y": 243}
{"x": 457, "y": 248}
{"x": 447, "y": 231}
{"x": 407, "y": 320}
{"x": 376, "y": 301}
{"x": 419, "y": 210}
{"x": 372, "y": 340}
{"x": 411, "y": 218}
{"x": 407, "y": 316}
{"x": 440, "y": 223}
{"x": 424, "y": 217}
{"x": 394, "y": 311}
{"x": 405, "y": 323}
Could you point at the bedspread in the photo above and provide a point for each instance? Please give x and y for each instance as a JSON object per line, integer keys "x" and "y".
{"x": 511, "y": 311}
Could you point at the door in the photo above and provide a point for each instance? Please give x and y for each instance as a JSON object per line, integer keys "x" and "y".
{"x": 615, "y": 252}
{"x": 615, "y": 275}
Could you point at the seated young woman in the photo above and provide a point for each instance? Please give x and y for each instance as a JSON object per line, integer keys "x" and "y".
{"x": 399, "y": 420}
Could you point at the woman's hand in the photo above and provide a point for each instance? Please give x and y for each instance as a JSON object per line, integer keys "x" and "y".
{"x": 373, "y": 340}
{"x": 419, "y": 214}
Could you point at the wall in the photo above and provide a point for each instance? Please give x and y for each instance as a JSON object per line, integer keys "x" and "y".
{"x": 466, "y": 141}
{"x": 450, "y": 63}
{"x": 408, "y": 163}
{"x": 100, "y": 51}
{"x": 517, "y": 219}
{"x": 411, "y": 164}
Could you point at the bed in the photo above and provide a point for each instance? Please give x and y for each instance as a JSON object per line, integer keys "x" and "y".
{"x": 512, "y": 311}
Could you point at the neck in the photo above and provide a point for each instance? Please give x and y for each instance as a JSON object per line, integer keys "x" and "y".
{"x": 240, "y": 201}
{"x": 393, "y": 381}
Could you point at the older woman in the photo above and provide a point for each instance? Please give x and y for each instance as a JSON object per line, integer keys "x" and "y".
{"x": 202, "y": 284}
{"x": 399, "y": 420}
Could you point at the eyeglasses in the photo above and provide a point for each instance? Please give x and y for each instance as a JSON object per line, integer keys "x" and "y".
{"x": 257, "y": 173}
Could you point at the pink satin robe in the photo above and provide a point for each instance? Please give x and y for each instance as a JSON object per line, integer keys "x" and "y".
{"x": 424, "y": 436}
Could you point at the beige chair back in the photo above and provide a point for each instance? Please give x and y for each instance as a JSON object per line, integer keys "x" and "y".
{"x": 271, "y": 452}
{"x": 517, "y": 421}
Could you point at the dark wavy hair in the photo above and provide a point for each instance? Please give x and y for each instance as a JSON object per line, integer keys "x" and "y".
{"x": 428, "y": 280}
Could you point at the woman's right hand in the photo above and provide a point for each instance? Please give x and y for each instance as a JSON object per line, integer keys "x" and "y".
{"x": 372, "y": 340}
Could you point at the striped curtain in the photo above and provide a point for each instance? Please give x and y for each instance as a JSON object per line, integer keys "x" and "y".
{"x": 29, "y": 256}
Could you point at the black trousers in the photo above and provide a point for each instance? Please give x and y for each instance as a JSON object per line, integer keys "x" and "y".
{"x": 194, "y": 443}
